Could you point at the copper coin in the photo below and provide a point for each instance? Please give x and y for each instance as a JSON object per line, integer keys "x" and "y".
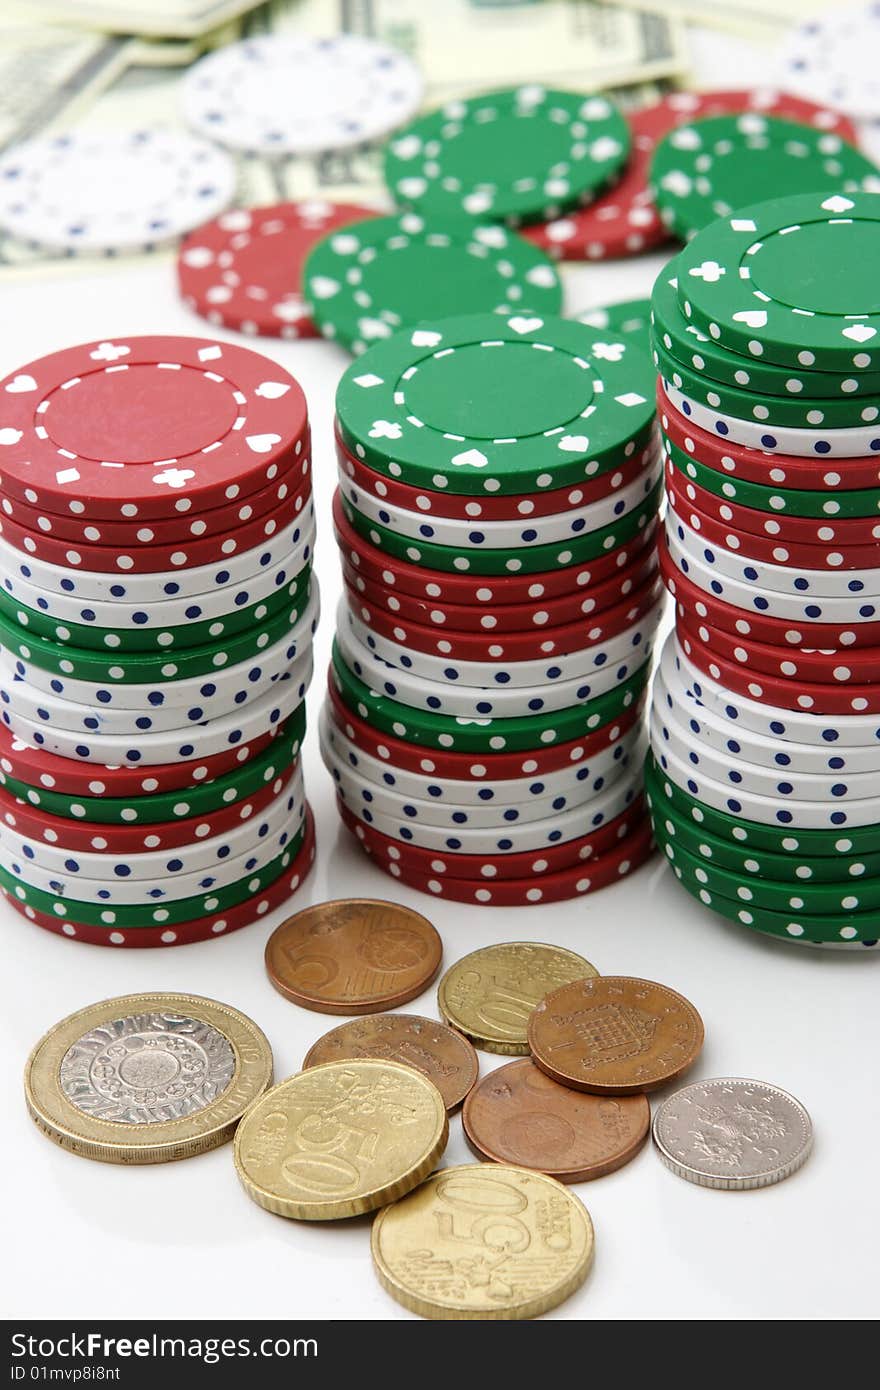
{"x": 353, "y": 956}
{"x": 518, "y": 1115}
{"x": 614, "y": 1035}
{"x": 440, "y": 1053}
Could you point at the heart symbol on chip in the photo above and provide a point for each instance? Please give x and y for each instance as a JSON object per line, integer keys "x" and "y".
{"x": 262, "y": 443}
{"x": 424, "y": 337}
{"x": 752, "y": 318}
{"x": 9, "y": 436}
{"x": 198, "y": 257}
{"x": 521, "y": 325}
{"x": 470, "y": 458}
{"x": 272, "y": 391}
{"x": 22, "y": 382}
{"x": 574, "y": 443}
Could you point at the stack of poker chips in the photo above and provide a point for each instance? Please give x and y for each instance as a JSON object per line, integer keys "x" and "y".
{"x": 156, "y": 617}
{"x": 766, "y": 707}
{"x": 496, "y": 518}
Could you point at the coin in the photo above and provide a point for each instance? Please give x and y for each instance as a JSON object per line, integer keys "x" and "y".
{"x": 340, "y": 1139}
{"x": 734, "y": 1134}
{"x": 615, "y": 1035}
{"x": 483, "y": 1242}
{"x": 444, "y": 1056}
{"x": 146, "y": 1078}
{"x": 489, "y": 994}
{"x": 353, "y": 956}
{"x": 518, "y": 1115}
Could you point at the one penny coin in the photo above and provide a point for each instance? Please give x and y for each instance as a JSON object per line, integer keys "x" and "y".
{"x": 615, "y": 1035}
{"x": 440, "y": 1053}
{"x": 353, "y": 956}
{"x": 517, "y": 1115}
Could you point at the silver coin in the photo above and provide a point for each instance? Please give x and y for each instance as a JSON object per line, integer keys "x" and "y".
{"x": 147, "y": 1069}
{"x": 732, "y": 1133}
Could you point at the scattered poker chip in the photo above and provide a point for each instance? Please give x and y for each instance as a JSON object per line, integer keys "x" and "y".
{"x": 748, "y": 280}
{"x": 631, "y": 317}
{"x": 710, "y": 167}
{"x": 424, "y": 864}
{"x": 560, "y": 886}
{"x": 370, "y": 279}
{"x": 844, "y": 443}
{"x": 109, "y": 192}
{"x": 624, "y": 220}
{"x": 478, "y": 766}
{"x": 216, "y": 923}
{"x": 515, "y": 155}
{"x": 701, "y": 354}
{"x": 243, "y": 270}
{"x": 278, "y": 95}
{"x": 829, "y": 57}
{"x": 486, "y": 404}
{"x": 134, "y": 427}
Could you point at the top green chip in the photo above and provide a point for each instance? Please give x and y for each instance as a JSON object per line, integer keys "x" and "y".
{"x": 518, "y": 155}
{"x": 709, "y": 168}
{"x": 483, "y": 404}
{"x": 793, "y": 280}
{"x": 365, "y": 281}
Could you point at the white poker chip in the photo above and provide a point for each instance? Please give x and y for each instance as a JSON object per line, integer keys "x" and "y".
{"x": 105, "y": 192}
{"x": 294, "y": 94}
{"x": 833, "y": 60}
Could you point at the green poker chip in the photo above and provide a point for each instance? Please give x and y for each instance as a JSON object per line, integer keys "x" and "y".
{"x": 365, "y": 281}
{"x": 800, "y": 844}
{"x": 141, "y": 668}
{"x": 148, "y": 639}
{"x": 702, "y": 354}
{"x": 631, "y": 317}
{"x": 828, "y": 505}
{"x": 482, "y": 404}
{"x": 710, "y": 167}
{"x": 483, "y": 735}
{"x": 157, "y": 913}
{"x": 522, "y": 154}
{"x": 534, "y": 560}
{"x": 842, "y": 871}
{"x": 160, "y": 807}
{"x": 807, "y": 413}
{"x": 856, "y": 928}
{"x": 793, "y": 281}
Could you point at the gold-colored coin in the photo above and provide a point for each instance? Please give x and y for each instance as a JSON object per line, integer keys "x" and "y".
{"x": 483, "y": 1242}
{"x": 146, "y": 1078}
{"x": 489, "y": 994}
{"x": 341, "y": 1139}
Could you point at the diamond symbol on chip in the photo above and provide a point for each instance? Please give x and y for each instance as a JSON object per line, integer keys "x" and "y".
{"x": 368, "y": 379}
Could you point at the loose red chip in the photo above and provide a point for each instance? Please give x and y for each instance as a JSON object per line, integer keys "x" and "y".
{"x": 243, "y": 269}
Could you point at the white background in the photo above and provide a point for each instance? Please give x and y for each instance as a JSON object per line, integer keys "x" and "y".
{"x": 91, "y": 1240}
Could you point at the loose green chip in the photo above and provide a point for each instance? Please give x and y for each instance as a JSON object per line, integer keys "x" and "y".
{"x": 522, "y": 154}
{"x": 631, "y": 317}
{"x": 365, "y": 281}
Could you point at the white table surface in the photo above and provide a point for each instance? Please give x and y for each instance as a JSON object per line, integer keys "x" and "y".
{"x": 182, "y": 1240}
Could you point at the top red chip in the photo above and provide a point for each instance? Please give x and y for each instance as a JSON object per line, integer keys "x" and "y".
{"x": 147, "y": 427}
{"x": 242, "y": 269}
{"x": 624, "y": 221}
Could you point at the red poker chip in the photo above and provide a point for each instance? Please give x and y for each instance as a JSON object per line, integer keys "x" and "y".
{"x": 186, "y": 933}
{"x": 425, "y": 863}
{"x": 624, "y": 221}
{"x": 781, "y": 527}
{"x": 243, "y": 270}
{"x": 47, "y": 771}
{"x": 92, "y": 837}
{"x": 802, "y": 696}
{"x": 150, "y": 559}
{"x": 572, "y": 882}
{"x": 771, "y": 470}
{"x": 292, "y": 485}
{"x": 813, "y": 664}
{"x": 501, "y": 508}
{"x": 413, "y": 757}
{"x": 375, "y": 565}
{"x": 522, "y": 646}
{"x": 777, "y": 632}
{"x": 771, "y": 550}
{"x": 147, "y": 422}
